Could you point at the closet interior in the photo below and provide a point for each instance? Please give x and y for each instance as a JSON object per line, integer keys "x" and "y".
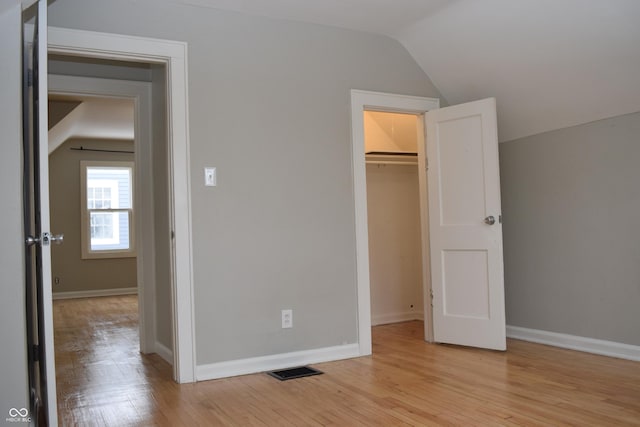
{"x": 393, "y": 209}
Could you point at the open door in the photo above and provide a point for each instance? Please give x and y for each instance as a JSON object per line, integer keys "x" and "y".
{"x": 465, "y": 225}
{"x": 38, "y": 240}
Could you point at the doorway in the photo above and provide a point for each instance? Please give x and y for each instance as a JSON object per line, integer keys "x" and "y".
{"x": 362, "y": 101}
{"x": 393, "y": 212}
{"x": 92, "y": 198}
{"x": 109, "y": 131}
{"x": 149, "y": 213}
{"x": 170, "y": 57}
{"x": 462, "y": 238}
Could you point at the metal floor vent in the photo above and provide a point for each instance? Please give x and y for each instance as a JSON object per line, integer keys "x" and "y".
{"x": 293, "y": 373}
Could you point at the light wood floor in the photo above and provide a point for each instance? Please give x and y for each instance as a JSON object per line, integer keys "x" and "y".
{"x": 104, "y": 381}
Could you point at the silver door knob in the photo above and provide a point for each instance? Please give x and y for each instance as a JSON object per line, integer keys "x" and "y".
{"x": 490, "y": 220}
{"x": 30, "y": 240}
{"x": 58, "y": 239}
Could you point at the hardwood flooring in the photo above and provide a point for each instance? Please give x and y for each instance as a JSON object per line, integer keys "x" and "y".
{"x": 104, "y": 381}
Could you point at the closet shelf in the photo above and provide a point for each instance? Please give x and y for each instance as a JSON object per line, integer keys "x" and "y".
{"x": 391, "y": 158}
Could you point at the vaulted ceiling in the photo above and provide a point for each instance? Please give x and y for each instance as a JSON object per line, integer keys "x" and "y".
{"x": 549, "y": 63}
{"x": 89, "y": 117}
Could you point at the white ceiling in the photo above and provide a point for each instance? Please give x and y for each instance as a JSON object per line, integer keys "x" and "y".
{"x": 374, "y": 16}
{"x": 549, "y": 63}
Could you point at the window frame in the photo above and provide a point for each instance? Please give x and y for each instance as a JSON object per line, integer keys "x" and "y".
{"x": 85, "y": 213}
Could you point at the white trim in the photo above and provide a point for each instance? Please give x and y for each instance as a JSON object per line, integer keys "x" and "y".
{"x": 174, "y": 56}
{"x": 42, "y": 175}
{"x": 384, "y": 319}
{"x": 95, "y": 293}
{"x": 164, "y": 352}
{"x": 277, "y": 361}
{"x": 574, "y": 342}
{"x": 361, "y": 101}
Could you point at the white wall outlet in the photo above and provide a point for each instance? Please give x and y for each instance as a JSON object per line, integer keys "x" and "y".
{"x": 210, "y": 178}
{"x": 287, "y": 318}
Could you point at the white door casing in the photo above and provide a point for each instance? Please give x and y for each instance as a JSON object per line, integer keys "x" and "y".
{"x": 174, "y": 56}
{"x": 467, "y": 276}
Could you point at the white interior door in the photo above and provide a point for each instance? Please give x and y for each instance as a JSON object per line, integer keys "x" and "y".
{"x": 467, "y": 276}
{"x": 38, "y": 240}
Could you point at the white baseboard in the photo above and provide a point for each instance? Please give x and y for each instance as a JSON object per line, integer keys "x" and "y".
{"x": 164, "y": 352}
{"x": 574, "y": 342}
{"x": 383, "y": 319}
{"x": 96, "y": 293}
{"x": 277, "y": 361}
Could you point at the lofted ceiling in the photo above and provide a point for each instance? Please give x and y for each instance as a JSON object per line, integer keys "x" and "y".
{"x": 549, "y": 63}
{"x": 89, "y": 117}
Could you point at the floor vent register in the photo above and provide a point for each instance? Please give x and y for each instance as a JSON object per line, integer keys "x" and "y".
{"x": 293, "y": 373}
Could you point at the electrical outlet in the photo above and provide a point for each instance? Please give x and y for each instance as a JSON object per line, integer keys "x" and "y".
{"x": 56, "y": 280}
{"x": 287, "y": 318}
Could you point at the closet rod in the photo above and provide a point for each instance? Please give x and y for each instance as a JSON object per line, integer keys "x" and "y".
{"x": 101, "y": 150}
{"x": 391, "y": 153}
{"x": 382, "y": 162}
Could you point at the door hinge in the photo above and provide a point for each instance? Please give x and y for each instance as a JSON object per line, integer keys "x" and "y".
{"x": 36, "y": 352}
{"x": 30, "y": 78}
{"x": 426, "y": 163}
{"x": 431, "y": 294}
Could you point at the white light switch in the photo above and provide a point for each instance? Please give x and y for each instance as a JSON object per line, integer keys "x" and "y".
{"x": 210, "y": 177}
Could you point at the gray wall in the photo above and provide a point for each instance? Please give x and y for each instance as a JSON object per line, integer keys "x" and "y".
{"x": 571, "y": 203}
{"x": 13, "y": 369}
{"x": 269, "y": 107}
{"x": 77, "y": 274}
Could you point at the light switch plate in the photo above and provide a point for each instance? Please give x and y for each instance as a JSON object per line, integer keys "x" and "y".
{"x": 210, "y": 178}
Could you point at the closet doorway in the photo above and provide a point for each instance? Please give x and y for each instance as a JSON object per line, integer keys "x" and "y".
{"x": 459, "y": 214}
{"x": 393, "y": 209}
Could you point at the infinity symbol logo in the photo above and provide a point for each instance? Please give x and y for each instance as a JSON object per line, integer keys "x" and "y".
{"x": 13, "y": 412}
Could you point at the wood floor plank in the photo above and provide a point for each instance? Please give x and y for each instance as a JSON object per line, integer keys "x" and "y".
{"x": 103, "y": 380}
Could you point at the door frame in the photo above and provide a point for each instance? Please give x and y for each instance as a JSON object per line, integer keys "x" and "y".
{"x": 173, "y": 55}
{"x": 362, "y": 101}
{"x": 140, "y": 94}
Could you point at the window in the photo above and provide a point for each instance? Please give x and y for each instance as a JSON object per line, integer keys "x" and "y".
{"x": 107, "y": 209}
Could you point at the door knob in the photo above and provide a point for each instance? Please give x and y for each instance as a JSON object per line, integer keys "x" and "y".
{"x": 45, "y": 239}
{"x": 58, "y": 239}
{"x": 490, "y": 220}
{"x": 30, "y": 240}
